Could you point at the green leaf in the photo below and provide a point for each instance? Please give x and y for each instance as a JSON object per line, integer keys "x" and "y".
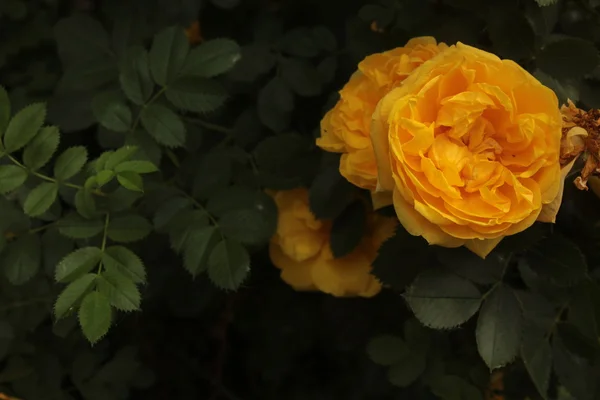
{"x": 163, "y": 125}
{"x": 228, "y": 264}
{"x": 135, "y": 78}
{"x": 544, "y": 3}
{"x": 212, "y": 58}
{"x": 568, "y": 58}
{"x": 85, "y": 204}
{"x": 11, "y": 178}
{"x": 70, "y": 162}
{"x": 129, "y": 228}
{"x": 285, "y": 161}
{"x": 275, "y": 104}
{"x": 137, "y": 166}
{"x": 120, "y": 290}
{"x": 348, "y": 229}
{"x": 441, "y": 300}
{"x": 299, "y": 42}
{"x": 24, "y": 126}
{"x": 169, "y": 210}
{"x": 40, "y": 150}
{"x": 250, "y": 226}
{"x": 182, "y": 226}
{"x": 537, "y": 357}
{"x": 4, "y": 110}
{"x": 467, "y": 264}
{"x": 498, "y": 330}
{"x": 233, "y": 198}
{"x": 77, "y": 263}
{"x": 168, "y": 53}
{"x": 407, "y": 370}
{"x": 558, "y": 259}
{"x": 131, "y": 181}
{"x": 122, "y": 260}
{"x": 112, "y": 112}
{"x": 22, "y": 259}
{"x": 40, "y": 199}
{"x": 301, "y": 76}
{"x": 76, "y": 227}
{"x": 73, "y": 294}
{"x": 103, "y": 177}
{"x": 198, "y": 247}
{"x": 387, "y": 349}
{"x": 584, "y": 310}
{"x": 122, "y": 154}
{"x": 80, "y": 36}
{"x": 515, "y": 43}
{"x": 330, "y": 193}
{"x": 214, "y": 172}
{"x": 196, "y": 94}
{"x": 95, "y": 316}
{"x": 573, "y": 372}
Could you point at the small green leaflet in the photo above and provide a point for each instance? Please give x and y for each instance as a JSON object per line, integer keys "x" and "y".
{"x": 85, "y": 203}
{"x": 122, "y": 293}
{"x": 387, "y": 349}
{"x": 116, "y": 157}
{"x": 72, "y": 294}
{"x": 137, "y": 166}
{"x": 248, "y": 226}
{"x": 442, "y": 300}
{"x": 196, "y": 94}
{"x": 4, "y": 110}
{"x": 407, "y": 370}
{"x": 169, "y": 210}
{"x": 40, "y": 150}
{"x": 103, "y": 177}
{"x": 95, "y": 316}
{"x": 536, "y": 354}
{"x": 168, "y": 53}
{"x": 498, "y": 330}
{"x": 198, "y": 246}
{"x": 122, "y": 260}
{"x": 40, "y": 199}
{"x": 76, "y": 227}
{"x": 135, "y": 78}
{"x": 24, "y": 126}
{"x": 228, "y": 264}
{"x": 112, "y": 112}
{"x": 77, "y": 263}
{"x": 163, "y": 125}
{"x": 212, "y": 58}
{"x": 70, "y": 162}
{"x": 129, "y": 228}
{"x": 131, "y": 181}
{"x": 11, "y": 178}
{"x": 22, "y": 259}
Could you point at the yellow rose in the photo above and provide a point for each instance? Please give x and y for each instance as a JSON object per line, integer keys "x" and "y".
{"x": 346, "y": 128}
{"x": 469, "y": 148}
{"x": 301, "y": 249}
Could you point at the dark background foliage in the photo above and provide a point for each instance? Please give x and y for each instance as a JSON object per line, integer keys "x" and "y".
{"x": 194, "y": 340}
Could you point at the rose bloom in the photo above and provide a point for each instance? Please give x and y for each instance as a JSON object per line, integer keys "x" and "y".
{"x": 346, "y": 128}
{"x": 301, "y": 249}
{"x": 468, "y": 147}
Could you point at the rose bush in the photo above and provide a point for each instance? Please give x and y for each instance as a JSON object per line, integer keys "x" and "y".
{"x": 301, "y": 249}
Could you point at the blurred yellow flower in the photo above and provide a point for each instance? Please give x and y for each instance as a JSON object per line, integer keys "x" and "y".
{"x": 345, "y": 128}
{"x": 469, "y": 146}
{"x": 301, "y": 249}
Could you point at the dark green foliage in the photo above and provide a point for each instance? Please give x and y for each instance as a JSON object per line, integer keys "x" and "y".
{"x": 134, "y": 175}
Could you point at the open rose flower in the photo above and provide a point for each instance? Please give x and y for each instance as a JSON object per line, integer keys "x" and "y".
{"x": 301, "y": 249}
{"x": 346, "y": 127}
{"x": 469, "y": 147}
